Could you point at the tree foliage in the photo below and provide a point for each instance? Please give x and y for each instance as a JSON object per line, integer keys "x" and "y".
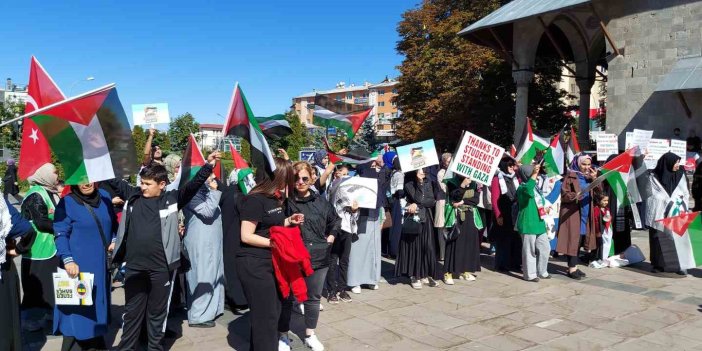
{"x": 179, "y": 130}
{"x": 448, "y": 84}
{"x": 11, "y": 134}
{"x": 294, "y": 142}
{"x": 365, "y": 137}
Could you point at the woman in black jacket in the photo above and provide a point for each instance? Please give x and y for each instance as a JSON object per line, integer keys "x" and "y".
{"x": 10, "y": 181}
{"x": 417, "y": 255}
{"x": 318, "y": 231}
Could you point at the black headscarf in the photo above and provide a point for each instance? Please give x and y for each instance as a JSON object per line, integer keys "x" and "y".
{"x": 92, "y": 199}
{"x": 396, "y": 164}
{"x": 664, "y": 172}
{"x": 504, "y": 163}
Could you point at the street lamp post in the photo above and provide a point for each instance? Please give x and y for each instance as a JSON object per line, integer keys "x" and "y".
{"x": 87, "y": 79}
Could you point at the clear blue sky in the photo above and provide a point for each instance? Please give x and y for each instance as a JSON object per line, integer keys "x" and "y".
{"x": 190, "y": 53}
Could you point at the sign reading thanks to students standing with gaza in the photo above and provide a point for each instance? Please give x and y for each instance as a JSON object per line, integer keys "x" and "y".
{"x": 476, "y": 158}
{"x": 143, "y": 114}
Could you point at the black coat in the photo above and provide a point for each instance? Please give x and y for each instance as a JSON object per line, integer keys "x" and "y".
{"x": 321, "y": 221}
{"x": 423, "y": 195}
{"x": 9, "y": 180}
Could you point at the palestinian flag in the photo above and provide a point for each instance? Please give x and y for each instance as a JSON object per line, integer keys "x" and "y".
{"x": 218, "y": 170}
{"x": 530, "y": 144}
{"x": 90, "y": 135}
{"x": 241, "y": 122}
{"x": 339, "y": 114}
{"x": 347, "y": 158}
{"x": 554, "y": 162}
{"x": 513, "y": 151}
{"x": 621, "y": 170}
{"x": 41, "y": 92}
{"x": 687, "y": 236}
{"x": 244, "y": 174}
{"x": 274, "y": 127}
{"x": 191, "y": 163}
{"x": 573, "y": 147}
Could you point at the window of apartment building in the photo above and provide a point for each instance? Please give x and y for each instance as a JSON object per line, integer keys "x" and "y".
{"x": 381, "y": 92}
{"x": 381, "y": 103}
{"x": 394, "y": 91}
{"x": 394, "y": 104}
{"x": 340, "y": 97}
{"x": 349, "y": 96}
{"x": 381, "y": 115}
{"x": 394, "y": 115}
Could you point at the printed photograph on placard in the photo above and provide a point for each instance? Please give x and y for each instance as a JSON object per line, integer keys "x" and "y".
{"x": 417, "y": 155}
{"x": 145, "y": 114}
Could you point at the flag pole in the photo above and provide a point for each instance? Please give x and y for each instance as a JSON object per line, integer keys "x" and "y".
{"x": 45, "y": 108}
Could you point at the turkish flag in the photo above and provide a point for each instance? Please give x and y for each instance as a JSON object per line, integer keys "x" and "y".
{"x": 42, "y": 92}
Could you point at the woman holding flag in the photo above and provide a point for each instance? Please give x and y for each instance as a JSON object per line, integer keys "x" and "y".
{"x": 670, "y": 196}
{"x": 576, "y": 215}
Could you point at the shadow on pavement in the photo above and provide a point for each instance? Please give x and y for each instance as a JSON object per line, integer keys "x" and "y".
{"x": 239, "y": 333}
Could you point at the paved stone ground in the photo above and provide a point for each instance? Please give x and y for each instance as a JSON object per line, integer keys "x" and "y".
{"x": 613, "y": 309}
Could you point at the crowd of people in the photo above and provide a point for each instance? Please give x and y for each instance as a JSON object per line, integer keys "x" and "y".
{"x": 215, "y": 243}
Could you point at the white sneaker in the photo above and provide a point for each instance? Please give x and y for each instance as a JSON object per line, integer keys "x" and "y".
{"x": 448, "y": 279}
{"x": 321, "y": 307}
{"x": 302, "y": 309}
{"x": 313, "y": 343}
{"x": 355, "y": 290}
{"x": 425, "y": 280}
{"x": 284, "y": 343}
{"x": 416, "y": 284}
{"x": 467, "y": 276}
{"x": 374, "y": 287}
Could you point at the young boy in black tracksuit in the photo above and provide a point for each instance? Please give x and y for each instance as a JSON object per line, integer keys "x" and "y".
{"x": 148, "y": 241}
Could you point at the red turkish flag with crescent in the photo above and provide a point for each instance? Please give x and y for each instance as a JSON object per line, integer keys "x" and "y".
{"x": 42, "y": 92}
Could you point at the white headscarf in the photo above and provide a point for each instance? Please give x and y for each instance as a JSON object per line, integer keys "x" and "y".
{"x": 5, "y": 226}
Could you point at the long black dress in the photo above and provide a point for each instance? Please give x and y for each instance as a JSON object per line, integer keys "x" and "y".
{"x": 508, "y": 242}
{"x": 37, "y": 275}
{"x": 463, "y": 254}
{"x": 417, "y": 255}
{"x": 9, "y": 180}
{"x": 231, "y": 228}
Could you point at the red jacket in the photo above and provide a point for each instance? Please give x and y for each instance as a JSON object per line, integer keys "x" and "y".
{"x": 291, "y": 261}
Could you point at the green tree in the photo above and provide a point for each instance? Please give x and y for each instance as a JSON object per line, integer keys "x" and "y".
{"x": 179, "y": 130}
{"x": 12, "y": 132}
{"x": 365, "y": 137}
{"x": 295, "y": 141}
{"x": 139, "y": 137}
{"x": 448, "y": 84}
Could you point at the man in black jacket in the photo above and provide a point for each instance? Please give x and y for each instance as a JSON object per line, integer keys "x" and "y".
{"x": 148, "y": 241}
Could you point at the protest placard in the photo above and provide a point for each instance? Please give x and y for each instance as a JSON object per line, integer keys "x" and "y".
{"x": 364, "y": 191}
{"x": 641, "y": 138}
{"x": 73, "y": 291}
{"x": 629, "y": 140}
{"x": 606, "y": 145}
{"x": 144, "y": 114}
{"x": 656, "y": 148}
{"x": 679, "y": 147}
{"x": 417, "y": 155}
{"x": 476, "y": 158}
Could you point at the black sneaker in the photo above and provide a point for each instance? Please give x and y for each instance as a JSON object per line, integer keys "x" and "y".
{"x": 432, "y": 282}
{"x": 333, "y": 299}
{"x": 344, "y": 296}
{"x": 580, "y": 273}
{"x": 575, "y": 275}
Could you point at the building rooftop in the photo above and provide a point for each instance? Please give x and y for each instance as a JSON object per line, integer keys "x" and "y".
{"x": 211, "y": 126}
{"x": 346, "y": 89}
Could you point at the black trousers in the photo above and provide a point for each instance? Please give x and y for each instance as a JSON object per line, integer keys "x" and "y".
{"x": 147, "y": 293}
{"x": 315, "y": 285}
{"x": 339, "y": 264}
{"x": 261, "y": 290}
{"x": 72, "y": 344}
{"x": 572, "y": 261}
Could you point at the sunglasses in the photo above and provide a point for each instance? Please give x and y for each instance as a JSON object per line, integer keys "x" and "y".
{"x": 304, "y": 179}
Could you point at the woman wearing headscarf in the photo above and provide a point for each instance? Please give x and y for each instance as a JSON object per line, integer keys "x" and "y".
{"x": 463, "y": 253}
{"x": 670, "y": 196}
{"x": 12, "y": 225}
{"x": 508, "y": 244}
{"x": 203, "y": 243}
{"x": 321, "y": 160}
{"x": 10, "y": 180}
{"x": 85, "y": 227}
{"x": 416, "y": 256}
{"x": 439, "y": 220}
{"x": 397, "y": 194}
{"x": 231, "y": 230}
{"x": 576, "y": 218}
{"x": 39, "y": 260}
